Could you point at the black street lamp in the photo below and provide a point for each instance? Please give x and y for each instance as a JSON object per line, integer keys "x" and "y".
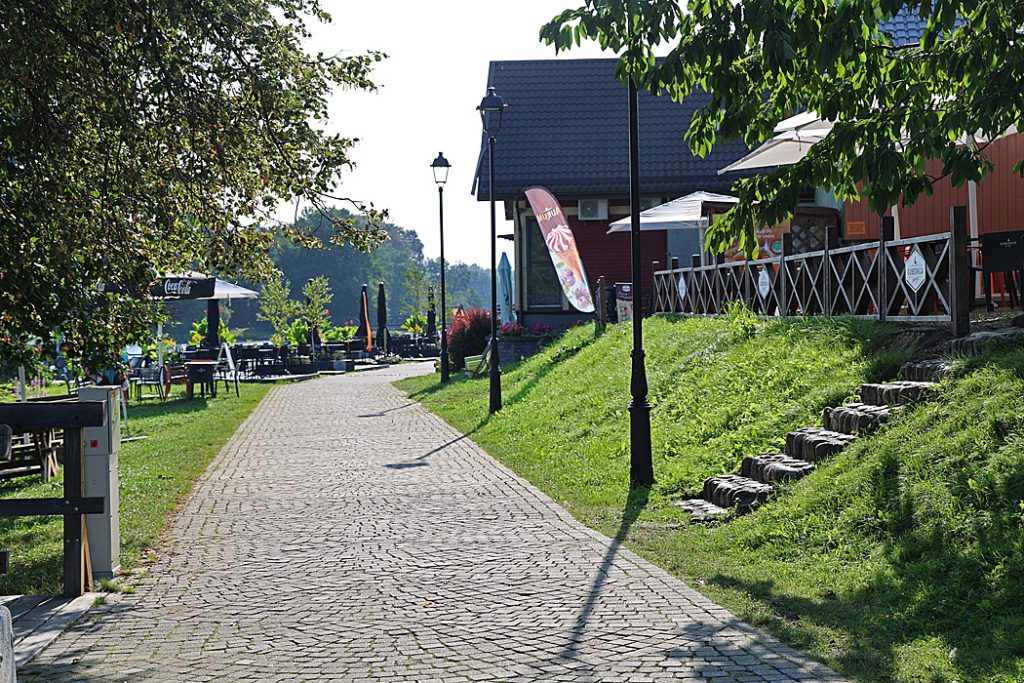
{"x": 641, "y": 469}
{"x": 312, "y": 330}
{"x": 492, "y": 109}
{"x": 440, "y": 167}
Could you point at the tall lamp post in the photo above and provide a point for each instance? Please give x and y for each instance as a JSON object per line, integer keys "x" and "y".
{"x": 492, "y": 109}
{"x": 440, "y": 167}
{"x": 641, "y": 469}
{"x": 312, "y": 330}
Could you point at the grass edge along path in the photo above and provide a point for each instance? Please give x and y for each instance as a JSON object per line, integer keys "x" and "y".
{"x": 156, "y": 475}
{"x": 900, "y": 560}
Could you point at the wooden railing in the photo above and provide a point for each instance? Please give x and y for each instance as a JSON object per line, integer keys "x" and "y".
{"x": 72, "y": 417}
{"x": 918, "y": 279}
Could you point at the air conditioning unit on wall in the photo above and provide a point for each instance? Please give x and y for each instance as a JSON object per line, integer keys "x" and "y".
{"x": 593, "y": 210}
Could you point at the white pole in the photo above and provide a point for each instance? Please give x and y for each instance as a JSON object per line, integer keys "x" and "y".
{"x": 896, "y": 222}
{"x": 972, "y": 216}
{"x": 160, "y": 346}
{"x": 21, "y": 381}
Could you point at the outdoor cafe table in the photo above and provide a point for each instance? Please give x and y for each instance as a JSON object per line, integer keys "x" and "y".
{"x": 201, "y": 372}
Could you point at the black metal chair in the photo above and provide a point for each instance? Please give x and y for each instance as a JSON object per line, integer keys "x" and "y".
{"x": 150, "y": 377}
{"x": 223, "y": 373}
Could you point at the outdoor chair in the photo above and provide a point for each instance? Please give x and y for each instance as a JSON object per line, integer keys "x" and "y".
{"x": 175, "y": 374}
{"x": 246, "y": 358}
{"x": 150, "y": 377}
{"x": 223, "y": 373}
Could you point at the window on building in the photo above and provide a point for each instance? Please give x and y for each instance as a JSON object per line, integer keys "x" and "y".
{"x": 542, "y": 288}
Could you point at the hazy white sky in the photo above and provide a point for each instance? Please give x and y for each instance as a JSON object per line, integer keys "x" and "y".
{"x": 430, "y": 86}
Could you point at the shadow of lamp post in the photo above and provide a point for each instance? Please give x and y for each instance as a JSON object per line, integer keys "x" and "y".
{"x": 440, "y": 167}
{"x": 492, "y": 109}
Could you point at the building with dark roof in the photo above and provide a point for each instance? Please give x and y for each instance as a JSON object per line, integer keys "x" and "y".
{"x": 566, "y": 129}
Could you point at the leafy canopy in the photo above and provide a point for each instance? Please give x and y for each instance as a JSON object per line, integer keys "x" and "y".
{"x": 317, "y": 293}
{"x": 894, "y": 105}
{"x": 277, "y": 308}
{"x": 145, "y": 137}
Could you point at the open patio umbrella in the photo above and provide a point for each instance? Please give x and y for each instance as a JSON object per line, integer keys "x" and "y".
{"x": 364, "y": 332}
{"x": 691, "y": 212}
{"x": 684, "y": 213}
{"x": 191, "y": 285}
{"x": 505, "y": 291}
{"x": 796, "y": 135}
{"x": 382, "y": 320}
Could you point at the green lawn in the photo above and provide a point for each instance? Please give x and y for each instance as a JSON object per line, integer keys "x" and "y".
{"x": 900, "y": 560}
{"x": 156, "y": 474}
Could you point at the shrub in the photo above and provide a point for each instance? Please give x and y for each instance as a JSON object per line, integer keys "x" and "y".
{"x": 415, "y": 323}
{"x": 542, "y": 330}
{"x": 339, "y": 333}
{"x": 512, "y": 329}
{"x": 199, "y": 328}
{"x": 298, "y": 332}
{"x": 467, "y": 335}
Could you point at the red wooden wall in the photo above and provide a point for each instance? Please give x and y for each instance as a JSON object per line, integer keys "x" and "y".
{"x": 610, "y": 255}
{"x": 1000, "y": 198}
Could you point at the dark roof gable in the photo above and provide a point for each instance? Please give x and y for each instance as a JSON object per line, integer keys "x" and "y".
{"x": 566, "y": 128}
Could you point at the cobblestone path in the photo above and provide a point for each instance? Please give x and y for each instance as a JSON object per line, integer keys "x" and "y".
{"x": 345, "y": 534}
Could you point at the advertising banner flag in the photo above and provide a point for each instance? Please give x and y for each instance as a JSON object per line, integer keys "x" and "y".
{"x": 562, "y": 248}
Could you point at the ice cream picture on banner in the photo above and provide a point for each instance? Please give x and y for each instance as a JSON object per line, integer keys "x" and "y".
{"x": 561, "y": 246}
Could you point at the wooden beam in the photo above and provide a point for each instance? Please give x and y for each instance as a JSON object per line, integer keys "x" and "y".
{"x": 32, "y": 416}
{"x": 961, "y": 278}
{"x": 30, "y": 507}
{"x": 74, "y": 471}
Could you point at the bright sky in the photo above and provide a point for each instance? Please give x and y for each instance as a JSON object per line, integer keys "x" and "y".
{"x": 432, "y": 82}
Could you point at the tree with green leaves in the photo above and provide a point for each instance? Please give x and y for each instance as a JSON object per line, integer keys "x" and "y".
{"x": 277, "y": 307}
{"x": 138, "y": 138}
{"x": 893, "y": 105}
{"x": 314, "y": 311}
{"x": 416, "y": 287}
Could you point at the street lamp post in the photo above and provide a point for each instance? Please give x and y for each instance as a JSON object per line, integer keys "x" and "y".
{"x": 492, "y": 109}
{"x": 440, "y": 167}
{"x": 312, "y": 330}
{"x": 641, "y": 469}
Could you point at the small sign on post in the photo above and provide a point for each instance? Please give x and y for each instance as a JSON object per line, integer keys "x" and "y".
{"x": 915, "y": 272}
{"x": 764, "y": 283}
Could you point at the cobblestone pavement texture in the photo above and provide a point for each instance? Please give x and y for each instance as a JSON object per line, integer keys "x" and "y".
{"x": 346, "y": 534}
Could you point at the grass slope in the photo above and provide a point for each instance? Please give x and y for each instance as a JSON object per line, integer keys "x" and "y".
{"x": 901, "y": 559}
{"x": 156, "y": 474}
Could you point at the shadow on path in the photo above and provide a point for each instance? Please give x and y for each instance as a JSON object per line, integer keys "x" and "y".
{"x": 420, "y": 461}
{"x": 389, "y": 410}
{"x": 635, "y": 504}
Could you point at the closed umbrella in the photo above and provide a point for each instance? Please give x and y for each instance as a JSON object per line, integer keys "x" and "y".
{"x": 505, "y": 290}
{"x": 431, "y": 322}
{"x": 364, "y": 332}
{"x": 382, "y": 320}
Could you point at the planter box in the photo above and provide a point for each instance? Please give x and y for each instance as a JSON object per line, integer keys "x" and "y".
{"x": 513, "y": 349}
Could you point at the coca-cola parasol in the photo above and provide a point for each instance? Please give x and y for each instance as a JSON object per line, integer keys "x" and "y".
{"x": 199, "y": 286}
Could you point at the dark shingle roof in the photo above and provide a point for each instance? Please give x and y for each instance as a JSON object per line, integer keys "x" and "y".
{"x": 566, "y": 128}
{"x": 904, "y": 29}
